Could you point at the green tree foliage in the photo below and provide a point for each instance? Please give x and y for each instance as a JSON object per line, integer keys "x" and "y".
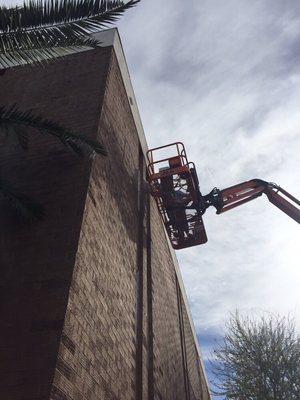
{"x": 40, "y": 30}
{"x": 258, "y": 360}
{"x": 26, "y": 208}
{"x": 19, "y": 125}
{"x": 36, "y": 32}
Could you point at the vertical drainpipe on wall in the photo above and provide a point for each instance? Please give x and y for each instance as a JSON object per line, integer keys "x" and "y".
{"x": 149, "y": 304}
{"x": 182, "y": 342}
{"x": 139, "y": 281}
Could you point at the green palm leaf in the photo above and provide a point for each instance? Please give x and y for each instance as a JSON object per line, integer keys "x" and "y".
{"x": 14, "y": 121}
{"x": 32, "y": 53}
{"x": 52, "y": 27}
{"x": 26, "y": 208}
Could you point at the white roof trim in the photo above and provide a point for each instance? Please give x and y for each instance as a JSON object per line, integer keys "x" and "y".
{"x": 111, "y": 37}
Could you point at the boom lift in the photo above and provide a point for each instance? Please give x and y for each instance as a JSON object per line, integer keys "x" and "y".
{"x": 175, "y": 187}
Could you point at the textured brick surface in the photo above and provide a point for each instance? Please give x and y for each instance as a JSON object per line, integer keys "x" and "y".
{"x": 196, "y": 382}
{"x": 100, "y": 318}
{"x": 89, "y": 301}
{"x": 37, "y": 260}
{"x": 168, "y": 371}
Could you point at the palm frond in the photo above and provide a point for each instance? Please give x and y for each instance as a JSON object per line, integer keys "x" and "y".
{"x": 49, "y": 24}
{"x": 29, "y": 210}
{"x": 39, "y": 52}
{"x": 48, "y": 14}
{"x": 14, "y": 121}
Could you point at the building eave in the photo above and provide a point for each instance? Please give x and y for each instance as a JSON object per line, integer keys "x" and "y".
{"x": 111, "y": 37}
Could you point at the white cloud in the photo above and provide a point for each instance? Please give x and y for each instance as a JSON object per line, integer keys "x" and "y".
{"x": 224, "y": 77}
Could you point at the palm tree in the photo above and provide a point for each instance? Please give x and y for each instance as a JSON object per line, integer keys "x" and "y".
{"x": 16, "y": 123}
{"x": 36, "y": 32}
{"x": 40, "y": 30}
{"x": 26, "y": 208}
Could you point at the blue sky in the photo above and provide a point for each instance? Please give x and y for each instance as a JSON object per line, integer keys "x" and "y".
{"x": 224, "y": 78}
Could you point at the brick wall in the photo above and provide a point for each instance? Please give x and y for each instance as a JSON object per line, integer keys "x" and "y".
{"x": 90, "y": 301}
{"x": 195, "y": 379}
{"x": 37, "y": 260}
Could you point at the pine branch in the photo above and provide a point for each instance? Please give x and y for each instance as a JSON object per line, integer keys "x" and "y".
{"x": 13, "y": 121}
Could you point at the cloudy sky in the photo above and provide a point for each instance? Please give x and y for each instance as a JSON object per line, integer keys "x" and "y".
{"x": 224, "y": 78}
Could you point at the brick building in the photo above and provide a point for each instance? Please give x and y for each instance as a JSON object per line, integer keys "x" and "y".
{"x": 92, "y": 302}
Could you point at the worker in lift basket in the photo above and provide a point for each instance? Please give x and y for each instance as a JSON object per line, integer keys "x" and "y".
{"x": 179, "y": 198}
{"x": 176, "y": 201}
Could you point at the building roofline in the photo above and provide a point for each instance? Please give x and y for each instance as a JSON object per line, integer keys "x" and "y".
{"x": 111, "y": 37}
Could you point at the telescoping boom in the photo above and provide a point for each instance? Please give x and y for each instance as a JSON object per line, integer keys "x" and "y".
{"x": 174, "y": 185}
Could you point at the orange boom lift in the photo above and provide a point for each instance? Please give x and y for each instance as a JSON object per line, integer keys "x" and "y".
{"x": 175, "y": 187}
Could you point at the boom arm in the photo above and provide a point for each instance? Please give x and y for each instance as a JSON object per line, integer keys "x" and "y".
{"x": 174, "y": 184}
{"x": 234, "y": 196}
